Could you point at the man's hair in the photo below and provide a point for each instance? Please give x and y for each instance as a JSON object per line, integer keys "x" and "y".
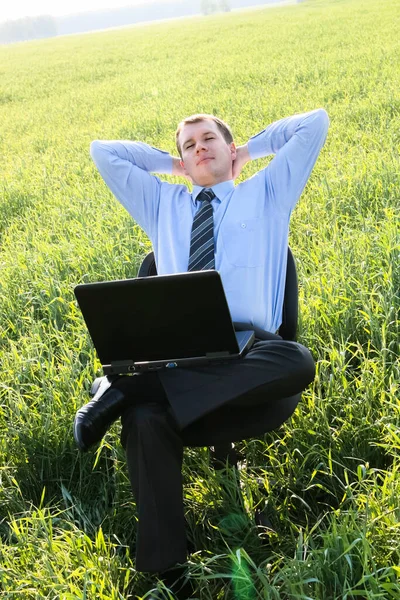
{"x": 222, "y": 126}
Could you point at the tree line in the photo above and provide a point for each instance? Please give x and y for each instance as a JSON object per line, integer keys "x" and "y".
{"x": 28, "y": 28}
{"x": 210, "y": 6}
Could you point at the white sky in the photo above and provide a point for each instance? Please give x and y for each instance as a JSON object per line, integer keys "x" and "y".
{"x": 15, "y": 9}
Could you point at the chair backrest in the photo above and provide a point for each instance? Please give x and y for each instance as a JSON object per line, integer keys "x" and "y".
{"x": 148, "y": 267}
{"x": 290, "y": 313}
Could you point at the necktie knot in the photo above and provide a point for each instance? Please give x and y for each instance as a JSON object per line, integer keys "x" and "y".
{"x": 206, "y": 194}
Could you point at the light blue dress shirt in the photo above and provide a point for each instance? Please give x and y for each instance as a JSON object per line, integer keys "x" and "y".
{"x": 251, "y": 220}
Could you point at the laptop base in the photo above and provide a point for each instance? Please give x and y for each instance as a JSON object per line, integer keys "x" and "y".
{"x": 245, "y": 341}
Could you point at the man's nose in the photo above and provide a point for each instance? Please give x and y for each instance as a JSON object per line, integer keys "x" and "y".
{"x": 201, "y": 145}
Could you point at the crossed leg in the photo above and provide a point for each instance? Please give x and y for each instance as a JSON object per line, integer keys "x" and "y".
{"x": 260, "y": 392}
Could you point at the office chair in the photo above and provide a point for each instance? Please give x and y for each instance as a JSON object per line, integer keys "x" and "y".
{"x": 226, "y": 454}
{"x": 288, "y": 331}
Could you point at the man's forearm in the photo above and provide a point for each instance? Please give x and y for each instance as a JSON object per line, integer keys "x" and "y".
{"x": 296, "y": 142}
{"x": 277, "y": 134}
{"x": 139, "y": 154}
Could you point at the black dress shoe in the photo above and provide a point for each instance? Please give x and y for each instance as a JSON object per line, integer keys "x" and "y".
{"x": 95, "y": 417}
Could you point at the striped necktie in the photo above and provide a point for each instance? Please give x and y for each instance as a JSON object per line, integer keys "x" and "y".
{"x": 202, "y": 237}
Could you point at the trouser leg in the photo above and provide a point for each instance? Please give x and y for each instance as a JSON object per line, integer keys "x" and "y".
{"x": 154, "y": 452}
{"x": 269, "y": 382}
{"x": 271, "y": 370}
{"x": 288, "y": 366}
{"x": 255, "y": 402}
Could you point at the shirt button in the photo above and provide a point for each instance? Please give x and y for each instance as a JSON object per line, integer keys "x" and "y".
{"x": 243, "y": 225}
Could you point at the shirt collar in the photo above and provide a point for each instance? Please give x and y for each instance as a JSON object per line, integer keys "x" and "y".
{"x": 221, "y": 190}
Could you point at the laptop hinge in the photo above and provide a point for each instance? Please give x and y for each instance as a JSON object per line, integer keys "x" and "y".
{"x": 217, "y": 354}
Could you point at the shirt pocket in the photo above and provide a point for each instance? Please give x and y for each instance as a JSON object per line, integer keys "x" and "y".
{"x": 244, "y": 241}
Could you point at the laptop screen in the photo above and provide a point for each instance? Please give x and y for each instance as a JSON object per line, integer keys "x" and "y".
{"x": 157, "y": 318}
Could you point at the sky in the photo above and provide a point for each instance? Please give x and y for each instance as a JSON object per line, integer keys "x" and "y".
{"x": 15, "y": 9}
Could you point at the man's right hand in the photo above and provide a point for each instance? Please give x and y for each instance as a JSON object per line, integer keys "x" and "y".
{"x": 242, "y": 157}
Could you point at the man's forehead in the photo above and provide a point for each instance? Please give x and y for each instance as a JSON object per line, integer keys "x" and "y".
{"x": 191, "y": 129}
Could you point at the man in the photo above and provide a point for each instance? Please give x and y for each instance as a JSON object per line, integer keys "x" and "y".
{"x": 247, "y": 243}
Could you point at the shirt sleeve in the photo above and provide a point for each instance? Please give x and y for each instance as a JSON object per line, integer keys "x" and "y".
{"x": 296, "y": 142}
{"x": 125, "y": 167}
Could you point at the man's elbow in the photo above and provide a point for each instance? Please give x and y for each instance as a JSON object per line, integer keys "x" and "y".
{"x": 323, "y": 120}
{"x": 95, "y": 149}
{"x": 101, "y": 153}
{"x": 317, "y": 126}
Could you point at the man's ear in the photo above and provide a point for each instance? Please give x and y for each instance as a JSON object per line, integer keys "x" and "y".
{"x": 232, "y": 148}
{"x": 183, "y": 166}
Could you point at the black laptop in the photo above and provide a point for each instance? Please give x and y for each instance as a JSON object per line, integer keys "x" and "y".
{"x": 166, "y": 321}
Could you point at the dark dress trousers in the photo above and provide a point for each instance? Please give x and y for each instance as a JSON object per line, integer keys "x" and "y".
{"x": 200, "y": 407}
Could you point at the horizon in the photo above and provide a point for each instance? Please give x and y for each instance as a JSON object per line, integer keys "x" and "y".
{"x": 21, "y": 9}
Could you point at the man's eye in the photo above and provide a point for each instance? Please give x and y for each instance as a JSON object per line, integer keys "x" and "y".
{"x": 209, "y": 138}
{"x": 190, "y": 146}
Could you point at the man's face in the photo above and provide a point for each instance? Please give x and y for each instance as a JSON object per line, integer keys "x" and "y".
{"x": 206, "y": 157}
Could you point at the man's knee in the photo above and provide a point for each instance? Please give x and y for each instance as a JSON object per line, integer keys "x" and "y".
{"x": 302, "y": 365}
{"x": 288, "y": 358}
{"x": 306, "y": 364}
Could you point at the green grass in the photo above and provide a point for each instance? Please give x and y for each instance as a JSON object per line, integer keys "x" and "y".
{"x": 330, "y": 476}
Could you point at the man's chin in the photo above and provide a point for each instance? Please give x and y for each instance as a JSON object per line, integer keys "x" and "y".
{"x": 210, "y": 179}
{"x": 204, "y": 181}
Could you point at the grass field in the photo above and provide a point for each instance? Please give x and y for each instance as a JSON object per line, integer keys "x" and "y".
{"x": 332, "y": 473}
